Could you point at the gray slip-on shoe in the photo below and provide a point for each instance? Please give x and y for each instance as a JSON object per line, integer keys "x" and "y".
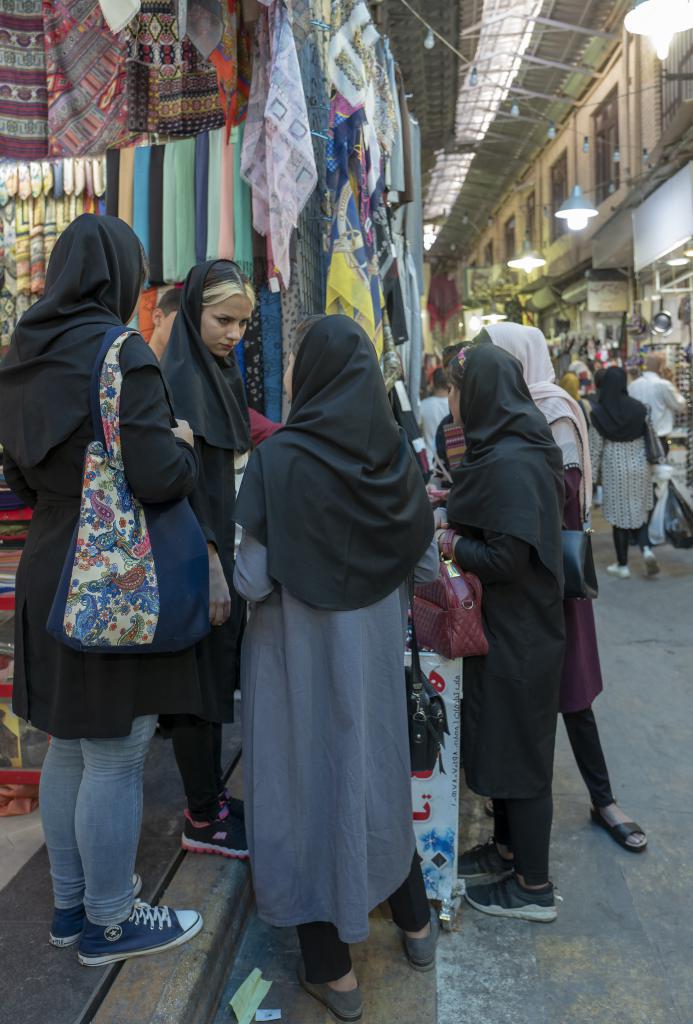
{"x": 421, "y": 953}
{"x": 344, "y": 1007}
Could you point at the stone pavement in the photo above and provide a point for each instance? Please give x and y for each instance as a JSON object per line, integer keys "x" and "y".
{"x": 622, "y": 948}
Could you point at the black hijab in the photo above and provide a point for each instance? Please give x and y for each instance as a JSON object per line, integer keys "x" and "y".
{"x": 337, "y": 496}
{"x": 206, "y": 391}
{"x": 616, "y": 415}
{"x": 93, "y": 283}
{"x": 511, "y": 479}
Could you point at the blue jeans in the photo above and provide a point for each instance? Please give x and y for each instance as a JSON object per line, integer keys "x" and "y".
{"x": 91, "y": 808}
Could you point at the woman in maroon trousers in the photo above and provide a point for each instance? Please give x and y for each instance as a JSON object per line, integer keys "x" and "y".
{"x": 581, "y": 681}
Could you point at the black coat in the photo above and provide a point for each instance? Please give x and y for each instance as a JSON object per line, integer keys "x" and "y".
{"x": 66, "y": 693}
{"x": 511, "y": 696}
{"x": 214, "y": 501}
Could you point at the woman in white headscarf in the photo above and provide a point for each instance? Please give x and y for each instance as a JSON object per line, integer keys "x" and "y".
{"x": 582, "y": 680}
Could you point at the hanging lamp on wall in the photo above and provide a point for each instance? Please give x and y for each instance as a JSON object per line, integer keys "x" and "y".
{"x": 529, "y": 260}
{"x": 661, "y": 20}
{"x": 577, "y": 211}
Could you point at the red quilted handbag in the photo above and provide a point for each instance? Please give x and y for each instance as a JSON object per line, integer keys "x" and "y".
{"x": 447, "y": 614}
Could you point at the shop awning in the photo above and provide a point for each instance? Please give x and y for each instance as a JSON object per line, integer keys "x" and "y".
{"x": 665, "y": 220}
{"x": 612, "y": 245}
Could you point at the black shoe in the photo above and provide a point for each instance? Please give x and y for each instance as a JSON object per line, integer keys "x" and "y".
{"x": 509, "y": 899}
{"x": 225, "y": 836}
{"x": 235, "y": 806}
{"x": 483, "y": 863}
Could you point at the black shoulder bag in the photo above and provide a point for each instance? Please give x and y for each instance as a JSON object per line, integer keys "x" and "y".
{"x": 426, "y": 715}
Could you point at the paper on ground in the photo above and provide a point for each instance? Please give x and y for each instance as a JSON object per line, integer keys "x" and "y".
{"x": 248, "y": 997}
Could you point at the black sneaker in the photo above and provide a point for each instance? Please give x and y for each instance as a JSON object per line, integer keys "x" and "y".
{"x": 483, "y": 863}
{"x": 509, "y": 899}
{"x": 225, "y": 836}
{"x": 235, "y": 806}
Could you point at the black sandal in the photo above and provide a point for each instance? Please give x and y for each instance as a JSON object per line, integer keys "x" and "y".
{"x": 622, "y": 832}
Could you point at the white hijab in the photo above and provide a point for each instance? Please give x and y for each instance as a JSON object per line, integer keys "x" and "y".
{"x": 529, "y": 347}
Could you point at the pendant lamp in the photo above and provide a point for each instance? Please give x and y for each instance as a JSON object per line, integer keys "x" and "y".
{"x": 661, "y": 20}
{"x": 529, "y": 260}
{"x": 577, "y": 211}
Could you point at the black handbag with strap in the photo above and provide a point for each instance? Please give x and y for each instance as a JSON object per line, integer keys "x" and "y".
{"x": 580, "y": 576}
{"x": 426, "y": 715}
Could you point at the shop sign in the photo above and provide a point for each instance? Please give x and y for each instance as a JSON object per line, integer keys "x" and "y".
{"x": 607, "y": 296}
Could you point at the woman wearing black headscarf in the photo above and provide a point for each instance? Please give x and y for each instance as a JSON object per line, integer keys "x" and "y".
{"x": 207, "y": 389}
{"x": 619, "y": 463}
{"x": 505, "y": 511}
{"x": 335, "y": 516}
{"x": 100, "y": 709}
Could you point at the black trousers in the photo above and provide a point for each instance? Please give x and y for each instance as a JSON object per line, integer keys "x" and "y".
{"x": 327, "y": 958}
{"x": 583, "y": 734}
{"x": 622, "y": 539}
{"x": 197, "y": 746}
{"x": 524, "y": 826}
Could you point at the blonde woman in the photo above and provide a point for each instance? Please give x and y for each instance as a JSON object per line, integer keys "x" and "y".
{"x": 207, "y": 390}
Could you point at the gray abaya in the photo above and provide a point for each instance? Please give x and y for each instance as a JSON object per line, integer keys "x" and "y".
{"x": 326, "y": 751}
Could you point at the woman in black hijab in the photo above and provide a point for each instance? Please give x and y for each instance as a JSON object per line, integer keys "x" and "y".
{"x": 619, "y": 463}
{"x": 335, "y": 516}
{"x": 100, "y": 709}
{"x": 207, "y": 389}
{"x": 505, "y": 511}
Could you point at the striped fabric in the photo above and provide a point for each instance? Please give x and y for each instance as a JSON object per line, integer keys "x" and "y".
{"x": 85, "y": 62}
{"x": 23, "y": 104}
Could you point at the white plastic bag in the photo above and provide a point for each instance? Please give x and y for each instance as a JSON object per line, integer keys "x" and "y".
{"x": 662, "y": 476}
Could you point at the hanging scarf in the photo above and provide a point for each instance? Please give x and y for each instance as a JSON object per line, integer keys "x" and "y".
{"x": 511, "y": 479}
{"x": 156, "y": 214}
{"x": 336, "y": 495}
{"x": 216, "y": 141}
{"x": 85, "y": 65}
{"x": 207, "y": 392}
{"x": 242, "y": 211}
{"x": 271, "y": 322}
{"x": 232, "y": 60}
{"x": 201, "y": 22}
{"x": 112, "y": 183}
{"x": 226, "y": 207}
{"x": 529, "y": 347}
{"x": 140, "y": 206}
{"x": 201, "y": 195}
{"x": 616, "y": 415}
{"x": 24, "y": 124}
{"x": 126, "y": 181}
{"x": 278, "y": 159}
{"x": 118, "y": 13}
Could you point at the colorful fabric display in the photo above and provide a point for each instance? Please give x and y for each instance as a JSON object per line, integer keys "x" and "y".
{"x": 201, "y": 22}
{"x": 85, "y": 64}
{"x": 171, "y": 89}
{"x": 278, "y": 159}
{"x": 23, "y": 92}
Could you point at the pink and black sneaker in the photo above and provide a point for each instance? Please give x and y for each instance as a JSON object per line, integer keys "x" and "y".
{"x": 224, "y": 836}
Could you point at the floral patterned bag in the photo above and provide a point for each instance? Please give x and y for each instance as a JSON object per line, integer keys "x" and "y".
{"x": 136, "y": 577}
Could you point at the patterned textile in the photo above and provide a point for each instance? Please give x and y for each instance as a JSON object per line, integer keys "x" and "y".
{"x": 271, "y": 318}
{"x": 353, "y": 280}
{"x": 232, "y": 59}
{"x": 171, "y": 89}
{"x": 278, "y": 159}
{"x": 23, "y": 246}
{"x": 358, "y": 71}
{"x": 23, "y": 97}
{"x": 114, "y": 595}
{"x": 85, "y": 63}
{"x": 201, "y": 22}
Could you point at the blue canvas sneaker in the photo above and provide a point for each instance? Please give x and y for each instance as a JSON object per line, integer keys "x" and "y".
{"x": 67, "y": 925}
{"x": 148, "y": 930}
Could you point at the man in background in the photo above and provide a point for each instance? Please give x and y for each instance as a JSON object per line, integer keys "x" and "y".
{"x": 163, "y": 315}
{"x": 433, "y": 410}
{"x": 659, "y": 395}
